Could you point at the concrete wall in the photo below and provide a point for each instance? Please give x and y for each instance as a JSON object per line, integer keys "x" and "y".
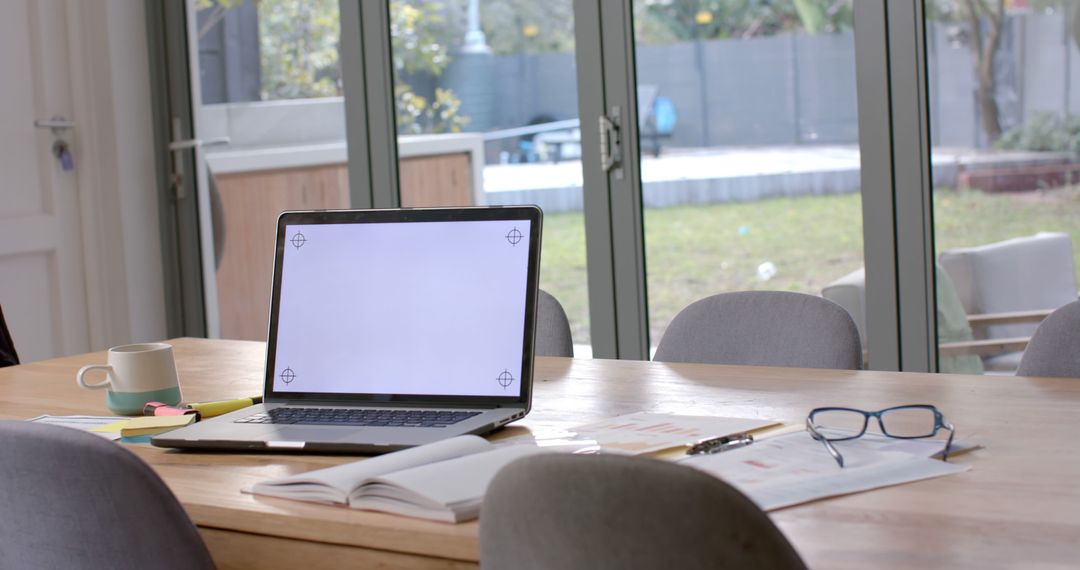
{"x": 797, "y": 89}
{"x": 790, "y": 88}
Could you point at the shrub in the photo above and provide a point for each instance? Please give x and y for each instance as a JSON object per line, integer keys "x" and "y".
{"x": 1044, "y": 132}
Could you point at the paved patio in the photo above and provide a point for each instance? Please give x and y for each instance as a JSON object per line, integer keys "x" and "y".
{"x": 694, "y": 176}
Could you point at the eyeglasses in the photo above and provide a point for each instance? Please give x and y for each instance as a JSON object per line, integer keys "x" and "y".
{"x": 902, "y": 422}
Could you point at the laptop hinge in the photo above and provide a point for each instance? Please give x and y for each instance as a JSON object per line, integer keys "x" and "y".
{"x": 374, "y": 404}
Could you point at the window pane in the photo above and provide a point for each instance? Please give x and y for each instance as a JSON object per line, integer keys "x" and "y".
{"x": 487, "y": 113}
{"x": 751, "y": 151}
{"x": 270, "y": 84}
{"x": 1006, "y": 200}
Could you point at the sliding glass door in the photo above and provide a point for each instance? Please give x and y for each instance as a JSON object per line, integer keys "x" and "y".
{"x": 1004, "y": 92}
{"x": 750, "y": 163}
{"x": 679, "y": 148}
{"x": 486, "y": 108}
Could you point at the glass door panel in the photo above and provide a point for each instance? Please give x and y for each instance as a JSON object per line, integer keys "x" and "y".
{"x": 1006, "y": 177}
{"x": 487, "y": 113}
{"x": 271, "y": 120}
{"x": 750, "y": 152}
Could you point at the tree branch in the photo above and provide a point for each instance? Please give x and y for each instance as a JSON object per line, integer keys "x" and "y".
{"x": 212, "y": 20}
{"x": 976, "y": 43}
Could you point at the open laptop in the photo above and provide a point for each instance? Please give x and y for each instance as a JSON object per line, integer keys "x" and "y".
{"x": 390, "y": 329}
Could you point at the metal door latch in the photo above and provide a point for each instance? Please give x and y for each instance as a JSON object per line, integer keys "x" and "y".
{"x": 610, "y": 141}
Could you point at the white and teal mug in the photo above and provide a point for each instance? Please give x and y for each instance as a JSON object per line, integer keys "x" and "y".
{"x": 136, "y": 374}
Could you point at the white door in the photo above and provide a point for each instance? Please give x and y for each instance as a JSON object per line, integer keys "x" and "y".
{"x": 42, "y": 283}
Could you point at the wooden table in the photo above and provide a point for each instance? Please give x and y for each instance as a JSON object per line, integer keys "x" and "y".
{"x": 1019, "y": 507}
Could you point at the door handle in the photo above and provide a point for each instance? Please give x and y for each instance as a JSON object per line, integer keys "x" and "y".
{"x": 57, "y": 123}
{"x": 197, "y": 143}
{"x": 177, "y": 147}
{"x": 610, "y": 143}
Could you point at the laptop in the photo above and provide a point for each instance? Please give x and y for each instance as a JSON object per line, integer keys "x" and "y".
{"x": 391, "y": 329}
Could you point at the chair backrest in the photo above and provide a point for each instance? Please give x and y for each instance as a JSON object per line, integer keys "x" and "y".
{"x": 1054, "y": 349}
{"x": 1021, "y": 274}
{"x": 552, "y": 327}
{"x": 849, "y": 292}
{"x": 72, "y": 499}
{"x": 765, "y": 328}
{"x": 596, "y": 512}
{"x": 8, "y": 356}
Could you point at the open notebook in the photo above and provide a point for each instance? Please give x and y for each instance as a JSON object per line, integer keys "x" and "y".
{"x": 442, "y": 481}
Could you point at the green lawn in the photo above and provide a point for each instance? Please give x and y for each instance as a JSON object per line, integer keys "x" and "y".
{"x": 695, "y": 251}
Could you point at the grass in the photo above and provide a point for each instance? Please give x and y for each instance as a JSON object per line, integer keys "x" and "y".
{"x": 699, "y": 250}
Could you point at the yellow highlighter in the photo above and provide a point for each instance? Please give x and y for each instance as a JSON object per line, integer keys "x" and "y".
{"x": 211, "y": 409}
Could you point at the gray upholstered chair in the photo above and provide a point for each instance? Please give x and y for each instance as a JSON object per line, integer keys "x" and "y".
{"x": 765, "y": 328}
{"x": 957, "y": 351}
{"x": 552, "y": 327}
{"x": 1020, "y": 277}
{"x": 577, "y": 512}
{"x": 1054, "y": 349}
{"x": 71, "y": 499}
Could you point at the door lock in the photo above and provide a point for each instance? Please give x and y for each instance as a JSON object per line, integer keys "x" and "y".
{"x": 610, "y": 142}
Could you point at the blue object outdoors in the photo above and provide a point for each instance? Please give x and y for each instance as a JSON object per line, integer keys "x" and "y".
{"x": 664, "y": 115}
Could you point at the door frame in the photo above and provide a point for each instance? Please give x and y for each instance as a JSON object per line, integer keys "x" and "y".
{"x": 893, "y": 140}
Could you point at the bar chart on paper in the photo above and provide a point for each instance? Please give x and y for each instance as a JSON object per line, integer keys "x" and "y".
{"x": 645, "y": 433}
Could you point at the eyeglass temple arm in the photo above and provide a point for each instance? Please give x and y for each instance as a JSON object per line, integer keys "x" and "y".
{"x": 828, "y": 446}
{"x": 948, "y": 444}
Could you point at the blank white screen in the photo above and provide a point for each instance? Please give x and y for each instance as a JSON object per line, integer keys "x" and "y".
{"x": 434, "y": 308}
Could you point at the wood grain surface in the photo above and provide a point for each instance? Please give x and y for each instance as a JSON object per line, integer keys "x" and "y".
{"x": 1019, "y": 506}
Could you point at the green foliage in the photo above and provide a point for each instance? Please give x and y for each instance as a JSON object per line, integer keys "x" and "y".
{"x": 1044, "y": 132}
{"x": 418, "y": 34}
{"x": 696, "y": 250}
{"x": 299, "y": 52}
{"x": 527, "y": 26}
{"x": 416, "y": 115}
{"x": 418, "y": 37}
{"x": 668, "y": 21}
{"x": 298, "y": 49}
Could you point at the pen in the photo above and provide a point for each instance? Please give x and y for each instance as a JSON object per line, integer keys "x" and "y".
{"x": 720, "y": 444}
{"x": 211, "y": 409}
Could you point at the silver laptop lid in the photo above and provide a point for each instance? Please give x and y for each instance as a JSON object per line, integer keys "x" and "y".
{"x": 412, "y": 306}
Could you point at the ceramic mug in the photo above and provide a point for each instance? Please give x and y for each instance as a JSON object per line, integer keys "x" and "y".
{"x": 136, "y": 374}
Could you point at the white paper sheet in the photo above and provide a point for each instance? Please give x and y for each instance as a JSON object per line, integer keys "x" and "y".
{"x": 641, "y": 432}
{"x": 795, "y": 468}
{"x": 85, "y": 423}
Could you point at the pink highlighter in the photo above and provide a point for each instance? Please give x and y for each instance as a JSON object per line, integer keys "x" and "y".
{"x": 160, "y": 409}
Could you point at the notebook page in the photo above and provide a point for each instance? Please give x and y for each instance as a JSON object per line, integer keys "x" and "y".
{"x": 431, "y": 491}
{"x": 334, "y": 484}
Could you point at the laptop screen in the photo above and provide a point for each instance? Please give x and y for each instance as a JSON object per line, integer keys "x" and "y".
{"x": 424, "y": 307}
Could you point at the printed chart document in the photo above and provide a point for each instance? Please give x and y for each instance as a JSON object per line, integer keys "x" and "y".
{"x": 644, "y": 432}
{"x": 443, "y": 481}
{"x": 792, "y": 469}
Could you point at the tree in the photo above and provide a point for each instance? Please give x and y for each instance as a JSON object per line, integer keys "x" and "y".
{"x": 298, "y": 49}
{"x": 418, "y": 44}
{"x": 984, "y": 21}
{"x": 299, "y": 52}
{"x": 667, "y": 21}
{"x": 216, "y": 12}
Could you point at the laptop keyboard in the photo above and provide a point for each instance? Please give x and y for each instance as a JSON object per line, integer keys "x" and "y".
{"x": 358, "y": 417}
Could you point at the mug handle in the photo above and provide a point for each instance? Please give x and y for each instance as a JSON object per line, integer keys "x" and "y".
{"x": 104, "y": 384}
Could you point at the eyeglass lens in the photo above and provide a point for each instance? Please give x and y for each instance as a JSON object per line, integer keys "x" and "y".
{"x": 910, "y": 422}
{"x": 839, "y": 424}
